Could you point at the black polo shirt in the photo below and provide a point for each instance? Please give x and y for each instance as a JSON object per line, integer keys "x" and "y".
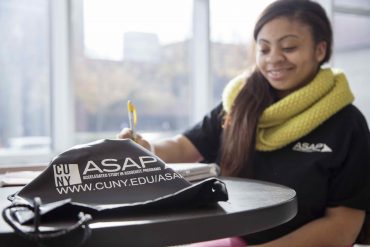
{"x": 328, "y": 167}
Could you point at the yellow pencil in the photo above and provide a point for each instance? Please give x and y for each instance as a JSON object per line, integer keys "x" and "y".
{"x": 132, "y": 118}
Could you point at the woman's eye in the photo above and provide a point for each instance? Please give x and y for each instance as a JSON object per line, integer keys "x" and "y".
{"x": 289, "y": 49}
{"x": 263, "y": 51}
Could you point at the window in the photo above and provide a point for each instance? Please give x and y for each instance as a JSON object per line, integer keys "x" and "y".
{"x": 363, "y": 4}
{"x": 68, "y": 67}
{"x": 352, "y": 50}
{"x": 360, "y": 36}
{"x": 232, "y": 23}
{"x": 130, "y": 50}
{"x": 24, "y": 77}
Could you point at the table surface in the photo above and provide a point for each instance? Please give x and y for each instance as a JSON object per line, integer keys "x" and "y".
{"x": 252, "y": 206}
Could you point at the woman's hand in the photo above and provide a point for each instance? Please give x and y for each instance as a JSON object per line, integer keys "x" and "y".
{"x": 126, "y": 133}
{"x": 178, "y": 149}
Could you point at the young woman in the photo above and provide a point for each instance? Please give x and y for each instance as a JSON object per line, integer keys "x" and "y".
{"x": 289, "y": 121}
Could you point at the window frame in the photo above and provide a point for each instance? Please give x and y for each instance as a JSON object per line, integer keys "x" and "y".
{"x": 202, "y": 86}
{"x": 61, "y": 95}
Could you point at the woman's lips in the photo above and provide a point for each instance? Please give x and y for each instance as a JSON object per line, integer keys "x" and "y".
{"x": 277, "y": 74}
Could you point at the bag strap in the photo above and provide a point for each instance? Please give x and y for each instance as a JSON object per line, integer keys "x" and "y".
{"x": 38, "y": 236}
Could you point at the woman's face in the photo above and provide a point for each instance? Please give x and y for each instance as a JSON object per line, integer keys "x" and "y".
{"x": 286, "y": 54}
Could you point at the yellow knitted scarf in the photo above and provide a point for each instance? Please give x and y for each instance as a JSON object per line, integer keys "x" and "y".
{"x": 300, "y": 112}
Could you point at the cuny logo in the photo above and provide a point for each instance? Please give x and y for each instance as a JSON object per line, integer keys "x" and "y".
{"x": 66, "y": 174}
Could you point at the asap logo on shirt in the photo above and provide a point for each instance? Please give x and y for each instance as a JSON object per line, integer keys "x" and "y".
{"x": 311, "y": 147}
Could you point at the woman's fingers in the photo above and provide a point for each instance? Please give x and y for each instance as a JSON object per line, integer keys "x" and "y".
{"x": 126, "y": 133}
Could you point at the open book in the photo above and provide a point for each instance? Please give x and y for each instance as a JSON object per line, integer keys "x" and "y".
{"x": 195, "y": 171}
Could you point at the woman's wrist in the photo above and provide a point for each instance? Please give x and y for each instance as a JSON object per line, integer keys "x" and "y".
{"x": 151, "y": 148}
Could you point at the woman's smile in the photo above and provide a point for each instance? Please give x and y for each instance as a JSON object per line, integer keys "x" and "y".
{"x": 278, "y": 74}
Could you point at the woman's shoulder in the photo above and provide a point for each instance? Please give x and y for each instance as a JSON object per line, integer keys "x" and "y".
{"x": 350, "y": 113}
{"x": 350, "y": 117}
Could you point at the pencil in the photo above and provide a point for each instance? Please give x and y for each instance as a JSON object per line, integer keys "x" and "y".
{"x": 132, "y": 118}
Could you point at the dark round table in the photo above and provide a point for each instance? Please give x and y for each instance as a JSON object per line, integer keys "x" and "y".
{"x": 253, "y": 206}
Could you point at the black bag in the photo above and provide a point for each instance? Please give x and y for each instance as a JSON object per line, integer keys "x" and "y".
{"x": 103, "y": 178}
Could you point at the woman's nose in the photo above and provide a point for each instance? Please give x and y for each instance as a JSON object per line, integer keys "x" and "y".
{"x": 275, "y": 56}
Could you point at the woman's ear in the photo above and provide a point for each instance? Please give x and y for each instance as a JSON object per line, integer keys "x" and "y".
{"x": 320, "y": 51}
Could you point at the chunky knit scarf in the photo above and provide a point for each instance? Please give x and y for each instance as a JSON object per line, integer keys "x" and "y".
{"x": 300, "y": 112}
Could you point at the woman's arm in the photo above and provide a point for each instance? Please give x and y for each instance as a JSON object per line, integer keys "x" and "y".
{"x": 175, "y": 150}
{"x": 339, "y": 227}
